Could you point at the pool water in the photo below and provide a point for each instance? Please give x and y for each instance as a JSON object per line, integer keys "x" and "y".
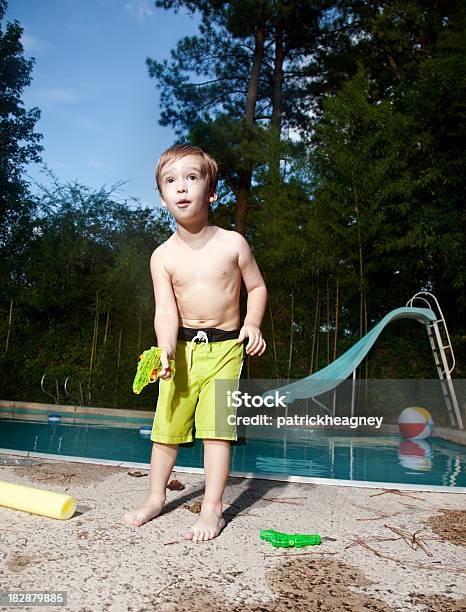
{"x": 315, "y": 454}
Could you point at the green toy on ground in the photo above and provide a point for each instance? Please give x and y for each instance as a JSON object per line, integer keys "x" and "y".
{"x": 286, "y": 540}
{"x": 149, "y": 367}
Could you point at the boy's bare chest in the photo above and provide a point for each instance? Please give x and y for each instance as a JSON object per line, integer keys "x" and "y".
{"x": 207, "y": 266}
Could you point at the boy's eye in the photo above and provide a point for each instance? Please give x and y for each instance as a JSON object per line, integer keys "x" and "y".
{"x": 169, "y": 180}
{"x": 192, "y": 176}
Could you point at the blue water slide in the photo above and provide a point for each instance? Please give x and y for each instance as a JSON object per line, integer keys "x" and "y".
{"x": 336, "y": 372}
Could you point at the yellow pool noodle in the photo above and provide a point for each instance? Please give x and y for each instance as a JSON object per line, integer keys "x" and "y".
{"x": 38, "y": 501}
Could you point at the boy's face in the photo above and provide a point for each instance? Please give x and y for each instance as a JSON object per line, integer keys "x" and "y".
{"x": 184, "y": 188}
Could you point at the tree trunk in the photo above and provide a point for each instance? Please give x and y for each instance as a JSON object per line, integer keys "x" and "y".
{"x": 255, "y": 72}
{"x": 277, "y": 105}
{"x": 242, "y": 203}
{"x": 245, "y": 178}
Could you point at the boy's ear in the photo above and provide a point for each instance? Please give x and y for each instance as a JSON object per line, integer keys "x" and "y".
{"x": 213, "y": 197}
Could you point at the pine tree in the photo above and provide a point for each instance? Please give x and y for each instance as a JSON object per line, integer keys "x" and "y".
{"x": 19, "y": 143}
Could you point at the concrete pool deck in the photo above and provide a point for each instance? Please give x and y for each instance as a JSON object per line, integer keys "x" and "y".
{"x": 104, "y": 564}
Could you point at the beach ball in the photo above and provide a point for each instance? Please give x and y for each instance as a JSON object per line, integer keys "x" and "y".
{"x": 415, "y": 423}
{"x": 415, "y": 455}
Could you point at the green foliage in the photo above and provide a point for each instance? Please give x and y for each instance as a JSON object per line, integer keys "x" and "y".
{"x": 19, "y": 143}
{"x": 85, "y": 283}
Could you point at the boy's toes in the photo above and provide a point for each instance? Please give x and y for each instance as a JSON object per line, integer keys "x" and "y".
{"x": 205, "y": 529}
{"x": 198, "y": 537}
{"x": 130, "y": 518}
{"x": 189, "y": 535}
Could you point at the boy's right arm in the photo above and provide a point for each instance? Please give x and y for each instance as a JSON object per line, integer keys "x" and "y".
{"x": 166, "y": 311}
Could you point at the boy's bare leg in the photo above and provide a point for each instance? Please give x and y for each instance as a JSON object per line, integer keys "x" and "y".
{"x": 161, "y": 464}
{"x": 216, "y": 467}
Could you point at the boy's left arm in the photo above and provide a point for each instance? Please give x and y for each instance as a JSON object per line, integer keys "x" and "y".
{"x": 257, "y": 299}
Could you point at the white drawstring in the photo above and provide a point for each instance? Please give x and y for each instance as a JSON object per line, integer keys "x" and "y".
{"x": 201, "y": 335}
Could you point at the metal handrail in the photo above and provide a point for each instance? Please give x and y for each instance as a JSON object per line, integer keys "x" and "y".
{"x": 68, "y": 394}
{"x": 56, "y": 398}
{"x": 441, "y": 319}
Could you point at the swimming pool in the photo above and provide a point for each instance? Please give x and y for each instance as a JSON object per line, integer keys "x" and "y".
{"x": 298, "y": 454}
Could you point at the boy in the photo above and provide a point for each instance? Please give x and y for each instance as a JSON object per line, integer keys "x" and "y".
{"x": 197, "y": 280}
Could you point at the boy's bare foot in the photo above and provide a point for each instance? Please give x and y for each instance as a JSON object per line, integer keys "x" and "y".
{"x": 149, "y": 509}
{"x": 209, "y": 525}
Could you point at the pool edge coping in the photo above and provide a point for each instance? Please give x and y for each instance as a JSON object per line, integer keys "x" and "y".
{"x": 278, "y": 477}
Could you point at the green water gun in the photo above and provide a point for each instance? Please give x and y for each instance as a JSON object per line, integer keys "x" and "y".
{"x": 286, "y": 540}
{"x": 149, "y": 368}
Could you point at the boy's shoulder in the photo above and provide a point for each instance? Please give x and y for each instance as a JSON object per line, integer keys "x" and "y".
{"x": 160, "y": 255}
{"x": 164, "y": 247}
{"x": 232, "y": 236}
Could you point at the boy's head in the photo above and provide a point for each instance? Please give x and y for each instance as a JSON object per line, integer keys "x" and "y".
{"x": 208, "y": 164}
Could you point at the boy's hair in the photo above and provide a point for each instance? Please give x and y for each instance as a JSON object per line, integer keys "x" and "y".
{"x": 209, "y": 165}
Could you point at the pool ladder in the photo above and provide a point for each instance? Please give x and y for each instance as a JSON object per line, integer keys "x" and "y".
{"x": 56, "y": 395}
{"x": 440, "y": 343}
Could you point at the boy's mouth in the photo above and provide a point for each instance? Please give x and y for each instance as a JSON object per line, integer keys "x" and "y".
{"x": 183, "y": 203}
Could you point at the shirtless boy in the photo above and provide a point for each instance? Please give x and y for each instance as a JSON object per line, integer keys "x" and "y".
{"x": 197, "y": 276}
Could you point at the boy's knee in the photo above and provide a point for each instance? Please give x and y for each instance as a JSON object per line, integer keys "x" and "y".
{"x": 214, "y": 442}
{"x": 163, "y": 445}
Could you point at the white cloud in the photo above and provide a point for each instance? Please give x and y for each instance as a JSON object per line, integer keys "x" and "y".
{"x": 139, "y": 9}
{"x": 88, "y": 124}
{"x": 32, "y": 43}
{"x": 58, "y": 164}
{"x": 57, "y": 95}
{"x": 98, "y": 165}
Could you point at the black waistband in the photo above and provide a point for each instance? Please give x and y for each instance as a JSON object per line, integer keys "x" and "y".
{"x": 213, "y": 334}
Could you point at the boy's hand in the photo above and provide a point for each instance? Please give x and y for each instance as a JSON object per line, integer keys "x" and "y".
{"x": 166, "y": 372}
{"x": 256, "y": 344}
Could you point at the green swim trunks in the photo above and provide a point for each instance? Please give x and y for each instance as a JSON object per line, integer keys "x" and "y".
{"x": 195, "y": 398}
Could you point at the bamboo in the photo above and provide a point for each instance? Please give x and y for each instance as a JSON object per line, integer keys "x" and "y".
{"x": 328, "y": 323}
{"x": 311, "y": 369}
{"x": 365, "y": 332}
{"x": 361, "y": 287}
{"x": 274, "y": 345}
{"x": 10, "y": 318}
{"x": 139, "y": 328}
{"x": 291, "y": 335}
{"x": 366, "y": 364}
{"x": 93, "y": 348}
{"x": 106, "y": 326}
{"x": 317, "y": 339}
{"x": 337, "y": 308}
{"x": 119, "y": 349}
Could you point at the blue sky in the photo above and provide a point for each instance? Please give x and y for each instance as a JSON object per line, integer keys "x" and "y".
{"x": 99, "y": 108}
